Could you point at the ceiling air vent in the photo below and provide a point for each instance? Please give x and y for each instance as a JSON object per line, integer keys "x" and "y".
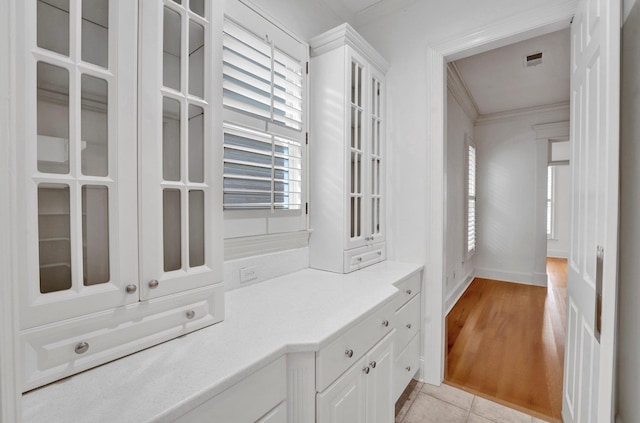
{"x": 533, "y": 59}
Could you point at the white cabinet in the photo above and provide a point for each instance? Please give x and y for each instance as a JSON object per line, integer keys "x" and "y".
{"x": 363, "y": 393}
{"x": 347, "y": 210}
{"x": 119, "y": 180}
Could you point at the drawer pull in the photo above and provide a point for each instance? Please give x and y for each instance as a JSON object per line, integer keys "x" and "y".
{"x": 191, "y": 314}
{"x": 408, "y": 368}
{"x": 349, "y": 353}
{"x": 366, "y": 370}
{"x": 385, "y": 323}
{"x": 81, "y": 347}
{"x": 131, "y": 289}
{"x": 373, "y": 364}
{"x": 359, "y": 258}
{"x": 153, "y": 284}
{"x": 408, "y": 291}
{"x": 408, "y": 325}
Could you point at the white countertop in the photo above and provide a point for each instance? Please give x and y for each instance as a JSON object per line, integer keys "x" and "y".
{"x": 302, "y": 311}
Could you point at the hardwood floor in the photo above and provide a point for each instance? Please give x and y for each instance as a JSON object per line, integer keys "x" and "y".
{"x": 505, "y": 342}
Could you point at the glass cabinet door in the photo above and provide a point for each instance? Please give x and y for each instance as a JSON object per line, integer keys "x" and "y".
{"x": 376, "y": 151}
{"x": 179, "y": 174}
{"x": 80, "y": 214}
{"x": 356, "y": 153}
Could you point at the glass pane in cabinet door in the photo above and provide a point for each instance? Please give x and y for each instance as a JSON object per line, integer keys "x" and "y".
{"x": 359, "y": 130}
{"x": 353, "y": 127}
{"x": 170, "y": 139}
{"x": 171, "y": 49}
{"x": 197, "y": 6}
{"x": 95, "y": 234}
{"x": 95, "y": 32}
{"x": 359, "y": 87}
{"x": 172, "y": 233}
{"x": 196, "y": 59}
{"x": 54, "y": 237}
{"x": 196, "y": 144}
{"x": 353, "y": 82}
{"x": 53, "y": 25}
{"x": 53, "y": 118}
{"x": 196, "y": 228}
{"x": 94, "y": 126}
{"x": 353, "y": 217}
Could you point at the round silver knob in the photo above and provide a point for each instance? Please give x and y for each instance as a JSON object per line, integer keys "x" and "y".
{"x": 408, "y": 325}
{"x": 191, "y": 314}
{"x": 408, "y": 291}
{"x": 385, "y": 323}
{"x": 131, "y": 289}
{"x": 379, "y": 253}
{"x": 373, "y": 364}
{"x": 359, "y": 258}
{"x": 349, "y": 353}
{"x": 408, "y": 368}
{"x": 366, "y": 370}
{"x": 153, "y": 284}
{"x": 81, "y": 347}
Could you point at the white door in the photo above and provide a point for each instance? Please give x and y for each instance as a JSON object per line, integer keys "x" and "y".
{"x": 592, "y": 270}
{"x": 345, "y": 400}
{"x": 380, "y": 404}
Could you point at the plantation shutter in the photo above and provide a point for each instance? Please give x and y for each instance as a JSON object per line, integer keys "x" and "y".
{"x": 471, "y": 198}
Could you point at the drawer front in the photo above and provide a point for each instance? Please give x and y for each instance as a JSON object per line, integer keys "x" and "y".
{"x": 51, "y": 353}
{"x": 407, "y": 322}
{"x": 364, "y": 256}
{"x": 259, "y": 397}
{"x": 337, "y": 357}
{"x": 406, "y": 365}
{"x": 409, "y": 288}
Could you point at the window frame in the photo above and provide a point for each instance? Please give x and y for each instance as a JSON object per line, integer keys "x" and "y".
{"x": 254, "y": 231}
{"x": 551, "y": 202}
{"x": 469, "y": 252}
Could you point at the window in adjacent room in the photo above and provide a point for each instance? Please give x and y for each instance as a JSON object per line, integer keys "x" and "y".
{"x": 470, "y": 161}
{"x": 550, "y": 200}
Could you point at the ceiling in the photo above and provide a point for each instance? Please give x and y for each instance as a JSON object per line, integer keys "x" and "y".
{"x": 359, "y": 12}
{"x": 498, "y": 80}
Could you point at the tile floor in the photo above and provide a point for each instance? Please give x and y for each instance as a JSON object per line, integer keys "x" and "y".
{"x": 445, "y": 404}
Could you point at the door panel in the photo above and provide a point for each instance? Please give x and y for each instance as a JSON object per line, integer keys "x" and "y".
{"x": 589, "y": 355}
{"x": 345, "y": 400}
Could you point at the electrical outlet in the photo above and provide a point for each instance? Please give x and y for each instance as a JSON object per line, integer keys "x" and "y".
{"x": 248, "y": 274}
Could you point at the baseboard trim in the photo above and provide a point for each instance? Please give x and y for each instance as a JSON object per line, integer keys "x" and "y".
{"x": 457, "y": 292}
{"x": 515, "y": 277}
{"x": 558, "y": 254}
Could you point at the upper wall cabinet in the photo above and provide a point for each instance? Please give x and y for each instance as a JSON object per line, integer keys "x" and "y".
{"x": 347, "y": 152}
{"x": 105, "y": 229}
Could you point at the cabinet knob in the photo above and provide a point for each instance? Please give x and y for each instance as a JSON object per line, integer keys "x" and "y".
{"x": 153, "y": 284}
{"x": 366, "y": 370}
{"x": 373, "y": 364}
{"x": 349, "y": 353}
{"x": 408, "y": 291}
{"x": 131, "y": 289}
{"x": 408, "y": 325}
{"x": 408, "y": 368}
{"x": 379, "y": 253}
{"x": 190, "y": 314}
{"x": 385, "y": 323}
{"x": 359, "y": 258}
{"x": 81, "y": 347}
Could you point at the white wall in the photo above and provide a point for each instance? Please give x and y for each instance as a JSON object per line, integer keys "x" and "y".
{"x": 628, "y": 375}
{"x": 559, "y": 245}
{"x": 458, "y": 269}
{"x": 510, "y": 192}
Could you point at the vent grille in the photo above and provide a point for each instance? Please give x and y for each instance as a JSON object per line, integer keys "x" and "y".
{"x": 534, "y": 59}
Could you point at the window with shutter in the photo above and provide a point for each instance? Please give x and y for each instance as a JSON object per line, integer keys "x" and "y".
{"x": 550, "y": 200}
{"x": 264, "y": 98}
{"x": 471, "y": 198}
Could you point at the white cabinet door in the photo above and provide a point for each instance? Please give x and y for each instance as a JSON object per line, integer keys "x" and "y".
{"x": 345, "y": 400}
{"x": 181, "y": 166}
{"x": 376, "y": 158}
{"x": 380, "y": 404}
{"x": 77, "y": 196}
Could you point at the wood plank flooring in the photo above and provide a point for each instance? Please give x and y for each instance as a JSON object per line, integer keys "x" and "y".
{"x": 505, "y": 342}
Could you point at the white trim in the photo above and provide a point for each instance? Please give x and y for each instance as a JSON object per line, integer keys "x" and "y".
{"x": 541, "y": 20}
{"x": 518, "y": 113}
{"x": 535, "y": 278}
{"x": 345, "y": 34}
{"x": 552, "y": 130}
{"x": 457, "y": 292}
{"x": 460, "y": 91}
{"x": 9, "y": 397}
{"x": 235, "y": 248}
{"x": 558, "y": 254}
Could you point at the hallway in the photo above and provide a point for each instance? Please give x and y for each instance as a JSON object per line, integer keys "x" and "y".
{"x": 506, "y": 342}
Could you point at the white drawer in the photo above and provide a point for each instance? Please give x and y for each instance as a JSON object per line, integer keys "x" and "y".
{"x": 406, "y": 365}
{"x": 342, "y": 353}
{"x": 407, "y": 323}
{"x": 260, "y": 395}
{"x": 409, "y": 288}
{"x": 364, "y": 256}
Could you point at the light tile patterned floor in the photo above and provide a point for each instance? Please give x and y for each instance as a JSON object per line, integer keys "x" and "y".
{"x": 445, "y": 404}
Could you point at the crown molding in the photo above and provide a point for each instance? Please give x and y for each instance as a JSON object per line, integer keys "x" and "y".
{"x": 345, "y": 35}
{"x": 518, "y": 113}
{"x": 460, "y": 91}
